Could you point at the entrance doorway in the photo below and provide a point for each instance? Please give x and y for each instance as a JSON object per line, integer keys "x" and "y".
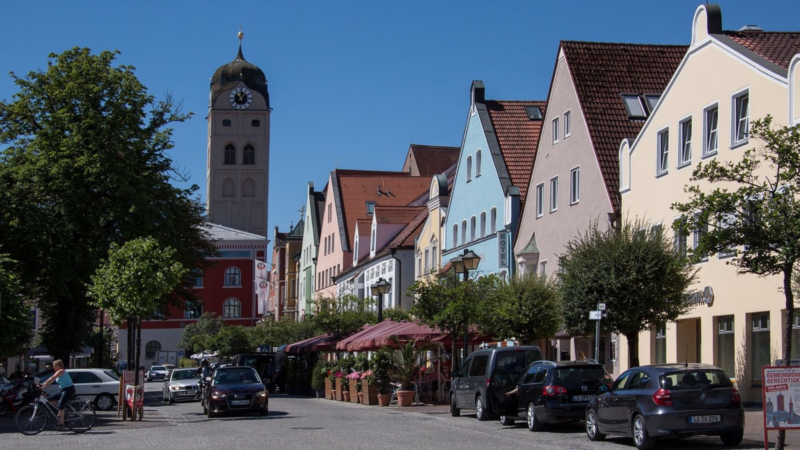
{"x": 688, "y": 340}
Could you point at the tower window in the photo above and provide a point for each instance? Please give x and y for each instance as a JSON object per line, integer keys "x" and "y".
{"x": 226, "y": 122}
{"x": 230, "y": 154}
{"x": 228, "y": 188}
{"x": 256, "y": 123}
{"x": 249, "y": 156}
{"x": 249, "y": 188}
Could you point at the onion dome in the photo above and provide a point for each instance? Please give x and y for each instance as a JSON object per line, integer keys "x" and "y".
{"x": 239, "y": 70}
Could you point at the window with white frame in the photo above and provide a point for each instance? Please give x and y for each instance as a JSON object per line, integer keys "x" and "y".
{"x": 727, "y": 221}
{"x": 760, "y": 354}
{"x": 455, "y": 235}
{"x": 679, "y": 238}
{"x": 478, "y": 163}
{"x": 741, "y": 118}
{"x": 373, "y": 239}
{"x": 427, "y": 260}
{"x": 574, "y": 185}
{"x": 539, "y": 199}
{"x": 555, "y": 130}
{"x": 463, "y": 232}
{"x": 698, "y": 233}
{"x": 329, "y": 213}
{"x": 554, "y": 194}
{"x": 469, "y": 168}
{"x": 483, "y": 224}
{"x": 726, "y": 345}
{"x": 567, "y": 124}
{"x": 232, "y": 308}
{"x": 710, "y": 131}
{"x": 233, "y": 277}
{"x": 493, "y": 221}
{"x": 543, "y": 268}
{"x": 662, "y": 152}
{"x": 434, "y": 260}
{"x": 685, "y": 139}
{"x": 472, "y": 228}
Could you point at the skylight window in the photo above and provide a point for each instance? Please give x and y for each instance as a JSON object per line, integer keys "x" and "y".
{"x": 634, "y": 106}
{"x": 534, "y": 112}
{"x": 370, "y": 207}
{"x": 651, "y": 100}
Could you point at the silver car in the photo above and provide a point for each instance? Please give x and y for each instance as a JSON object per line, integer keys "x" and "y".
{"x": 158, "y": 372}
{"x": 183, "y": 384}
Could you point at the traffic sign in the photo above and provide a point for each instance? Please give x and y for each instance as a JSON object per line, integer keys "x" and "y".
{"x": 601, "y": 306}
{"x": 595, "y": 315}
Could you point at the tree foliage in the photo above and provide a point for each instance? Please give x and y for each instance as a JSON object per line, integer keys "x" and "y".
{"x": 397, "y": 315}
{"x": 84, "y": 165}
{"x": 14, "y": 313}
{"x": 231, "y": 340}
{"x": 527, "y": 307}
{"x": 284, "y": 331}
{"x": 196, "y": 337}
{"x": 634, "y": 269}
{"x": 342, "y": 316}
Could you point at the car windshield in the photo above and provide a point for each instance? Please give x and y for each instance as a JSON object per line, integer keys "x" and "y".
{"x": 513, "y": 362}
{"x": 158, "y": 368}
{"x": 695, "y": 379}
{"x": 236, "y": 376}
{"x": 578, "y": 374}
{"x": 185, "y": 375}
{"x": 111, "y": 374}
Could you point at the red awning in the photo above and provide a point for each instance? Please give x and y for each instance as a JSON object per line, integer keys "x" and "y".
{"x": 364, "y": 337}
{"x": 319, "y": 343}
{"x": 379, "y": 336}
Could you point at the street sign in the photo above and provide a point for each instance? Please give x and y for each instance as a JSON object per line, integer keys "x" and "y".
{"x": 595, "y": 315}
{"x": 180, "y": 353}
{"x": 601, "y": 306}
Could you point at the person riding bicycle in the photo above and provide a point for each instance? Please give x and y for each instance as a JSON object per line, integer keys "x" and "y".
{"x": 66, "y": 392}
{"x": 204, "y": 371}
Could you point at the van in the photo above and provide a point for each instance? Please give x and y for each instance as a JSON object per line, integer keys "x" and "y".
{"x": 472, "y": 386}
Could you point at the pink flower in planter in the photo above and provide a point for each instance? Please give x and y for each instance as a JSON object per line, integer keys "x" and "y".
{"x": 354, "y": 376}
{"x": 366, "y": 374}
{"x": 339, "y": 374}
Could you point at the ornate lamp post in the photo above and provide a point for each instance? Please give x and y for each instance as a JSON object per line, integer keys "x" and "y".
{"x": 379, "y": 289}
{"x": 462, "y": 265}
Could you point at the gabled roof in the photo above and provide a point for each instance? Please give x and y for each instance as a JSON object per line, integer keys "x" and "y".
{"x": 364, "y": 226}
{"x": 316, "y": 203}
{"x": 396, "y": 214}
{"x": 776, "y": 47}
{"x": 518, "y": 137}
{"x": 601, "y": 72}
{"x": 445, "y": 179}
{"x": 427, "y": 160}
{"x": 352, "y": 190}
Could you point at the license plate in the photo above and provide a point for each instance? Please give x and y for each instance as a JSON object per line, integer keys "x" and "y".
{"x": 240, "y": 402}
{"x": 582, "y": 398}
{"x": 705, "y": 419}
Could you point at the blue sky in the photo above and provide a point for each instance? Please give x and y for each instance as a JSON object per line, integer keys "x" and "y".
{"x": 352, "y": 83}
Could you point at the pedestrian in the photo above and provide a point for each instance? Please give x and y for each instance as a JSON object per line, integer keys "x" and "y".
{"x": 66, "y": 390}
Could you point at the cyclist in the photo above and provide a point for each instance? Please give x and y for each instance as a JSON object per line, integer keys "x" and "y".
{"x": 204, "y": 371}
{"x": 66, "y": 392}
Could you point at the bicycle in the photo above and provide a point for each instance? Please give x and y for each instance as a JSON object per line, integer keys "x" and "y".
{"x": 32, "y": 419}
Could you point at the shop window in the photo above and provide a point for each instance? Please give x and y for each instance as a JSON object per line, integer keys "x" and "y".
{"x": 726, "y": 345}
{"x": 796, "y": 335}
{"x": 760, "y": 340}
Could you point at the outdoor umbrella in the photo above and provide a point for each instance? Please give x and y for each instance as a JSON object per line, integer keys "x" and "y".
{"x": 319, "y": 343}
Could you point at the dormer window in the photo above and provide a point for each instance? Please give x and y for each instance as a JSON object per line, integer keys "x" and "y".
{"x": 652, "y": 101}
{"x": 534, "y": 112}
{"x": 634, "y": 106}
{"x": 370, "y": 207}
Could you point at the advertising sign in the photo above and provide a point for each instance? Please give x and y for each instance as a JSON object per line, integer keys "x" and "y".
{"x": 502, "y": 249}
{"x": 262, "y": 286}
{"x": 781, "y": 397}
{"x": 134, "y": 396}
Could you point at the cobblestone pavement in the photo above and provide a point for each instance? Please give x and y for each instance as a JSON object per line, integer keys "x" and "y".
{"x": 304, "y": 423}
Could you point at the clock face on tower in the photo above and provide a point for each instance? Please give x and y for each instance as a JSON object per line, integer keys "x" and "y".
{"x": 241, "y": 98}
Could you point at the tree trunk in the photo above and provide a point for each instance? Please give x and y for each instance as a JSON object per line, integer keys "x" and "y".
{"x": 788, "y": 320}
{"x": 131, "y": 331}
{"x": 633, "y": 349}
{"x": 138, "y": 348}
{"x": 453, "y": 365}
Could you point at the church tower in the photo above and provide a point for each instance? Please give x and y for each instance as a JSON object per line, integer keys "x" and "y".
{"x": 237, "y": 173}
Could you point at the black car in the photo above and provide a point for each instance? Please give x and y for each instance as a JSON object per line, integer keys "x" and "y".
{"x": 235, "y": 389}
{"x": 473, "y": 387}
{"x": 550, "y": 391}
{"x": 668, "y": 400}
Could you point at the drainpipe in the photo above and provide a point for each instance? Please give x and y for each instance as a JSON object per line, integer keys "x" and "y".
{"x": 398, "y": 278}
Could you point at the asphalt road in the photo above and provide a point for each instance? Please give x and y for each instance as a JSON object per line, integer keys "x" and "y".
{"x": 304, "y": 423}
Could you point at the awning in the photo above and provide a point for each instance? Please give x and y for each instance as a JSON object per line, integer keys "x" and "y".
{"x": 319, "y": 343}
{"x": 380, "y": 335}
{"x": 363, "y": 340}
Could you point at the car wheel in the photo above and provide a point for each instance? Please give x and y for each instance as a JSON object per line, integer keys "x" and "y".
{"x": 733, "y": 437}
{"x": 104, "y": 402}
{"x": 210, "y": 414}
{"x": 454, "y": 410}
{"x": 533, "y": 423}
{"x": 171, "y": 399}
{"x": 265, "y": 412}
{"x": 480, "y": 409}
{"x": 641, "y": 439}
{"x": 592, "y": 430}
{"x": 505, "y": 420}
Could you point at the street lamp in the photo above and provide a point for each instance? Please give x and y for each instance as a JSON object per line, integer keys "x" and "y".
{"x": 380, "y": 288}
{"x": 462, "y": 265}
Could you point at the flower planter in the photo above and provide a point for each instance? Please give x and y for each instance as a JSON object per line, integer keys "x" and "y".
{"x": 346, "y": 396}
{"x": 384, "y": 399}
{"x": 361, "y": 398}
{"x": 328, "y": 387}
{"x": 371, "y": 395}
{"x": 320, "y": 393}
{"x": 354, "y": 391}
{"x": 337, "y": 395}
{"x": 340, "y": 389}
{"x": 405, "y": 398}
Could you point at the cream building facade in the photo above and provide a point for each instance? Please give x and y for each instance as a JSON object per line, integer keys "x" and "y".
{"x": 428, "y": 247}
{"x": 726, "y": 80}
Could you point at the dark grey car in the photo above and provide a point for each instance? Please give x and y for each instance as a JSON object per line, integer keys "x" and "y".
{"x": 668, "y": 400}
{"x": 473, "y": 386}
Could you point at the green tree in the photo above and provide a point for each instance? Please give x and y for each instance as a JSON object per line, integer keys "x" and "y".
{"x": 231, "y": 340}
{"x": 132, "y": 283}
{"x": 196, "y": 337}
{"x": 14, "y": 313}
{"x": 527, "y": 308}
{"x": 635, "y": 270}
{"x": 752, "y": 212}
{"x": 405, "y": 359}
{"x": 84, "y": 164}
{"x": 342, "y": 316}
{"x": 283, "y": 331}
{"x": 397, "y": 315}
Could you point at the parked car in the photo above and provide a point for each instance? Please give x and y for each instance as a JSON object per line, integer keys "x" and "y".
{"x": 666, "y": 400}
{"x": 473, "y": 387}
{"x": 182, "y": 384}
{"x": 158, "y": 373}
{"x": 549, "y": 392}
{"x": 235, "y": 389}
{"x": 101, "y": 386}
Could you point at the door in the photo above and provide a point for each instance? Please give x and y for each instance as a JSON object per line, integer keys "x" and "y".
{"x": 86, "y": 384}
{"x": 477, "y": 380}
{"x": 606, "y": 404}
{"x": 524, "y": 384}
{"x": 533, "y": 392}
{"x": 625, "y": 400}
{"x": 504, "y": 403}
{"x": 461, "y": 382}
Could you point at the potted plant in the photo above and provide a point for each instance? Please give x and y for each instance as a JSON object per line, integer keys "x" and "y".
{"x": 404, "y": 365}
{"x": 318, "y": 377}
{"x": 354, "y": 379}
{"x": 369, "y": 388}
{"x": 380, "y": 366}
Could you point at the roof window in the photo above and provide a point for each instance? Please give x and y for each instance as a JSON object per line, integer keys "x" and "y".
{"x": 370, "y": 207}
{"x": 634, "y": 106}
{"x": 534, "y": 112}
{"x": 651, "y": 100}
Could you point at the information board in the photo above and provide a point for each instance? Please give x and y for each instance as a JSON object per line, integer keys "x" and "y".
{"x": 780, "y": 391}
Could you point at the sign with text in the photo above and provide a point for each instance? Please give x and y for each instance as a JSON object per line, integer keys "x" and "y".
{"x": 780, "y": 393}
{"x": 502, "y": 249}
{"x": 262, "y": 286}
{"x": 595, "y": 315}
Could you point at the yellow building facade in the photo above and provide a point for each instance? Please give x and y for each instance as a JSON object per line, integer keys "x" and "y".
{"x": 428, "y": 248}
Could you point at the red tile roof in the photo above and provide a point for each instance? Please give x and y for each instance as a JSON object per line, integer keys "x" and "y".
{"x": 603, "y": 71}
{"x": 397, "y": 214}
{"x": 518, "y": 136}
{"x": 364, "y": 226}
{"x": 776, "y": 47}
{"x": 428, "y": 160}
{"x": 408, "y": 237}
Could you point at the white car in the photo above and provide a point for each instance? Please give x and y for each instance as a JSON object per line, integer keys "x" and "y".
{"x": 158, "y": 373}
{"x": 100, "y": 386}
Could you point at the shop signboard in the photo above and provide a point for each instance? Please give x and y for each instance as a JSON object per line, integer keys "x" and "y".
{"x": 781, "y": 398}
